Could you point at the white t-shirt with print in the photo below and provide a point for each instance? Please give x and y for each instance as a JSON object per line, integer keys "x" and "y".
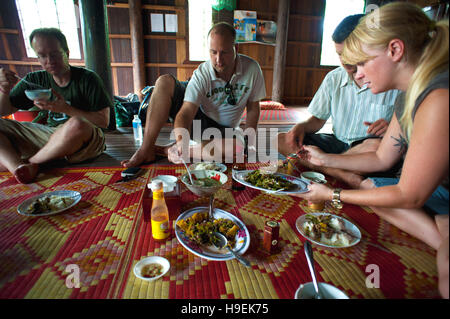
{"x": 208, "y": 91}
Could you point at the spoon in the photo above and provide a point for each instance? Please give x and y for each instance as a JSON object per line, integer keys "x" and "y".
{"x": 211, "y": 207}
{"x": 220, "y": 241}
{"x": 310, "y": 259}
{"x": 189, "y": 172}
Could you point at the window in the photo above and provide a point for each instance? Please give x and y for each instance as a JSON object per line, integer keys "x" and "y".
{"x": 200, "y": 21}
{"x": 59, "y": 14}
{"x": 335, "y": 12}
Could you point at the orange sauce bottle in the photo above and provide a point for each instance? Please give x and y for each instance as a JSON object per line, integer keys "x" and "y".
{"x": 159, "y": 213}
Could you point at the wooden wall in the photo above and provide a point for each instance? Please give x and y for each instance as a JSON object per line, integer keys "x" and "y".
{"x": 167, "y": 53}
{"x": 164, "y": 53}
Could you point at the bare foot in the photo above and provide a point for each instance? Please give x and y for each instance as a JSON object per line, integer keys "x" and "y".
{"x": 352, "y": 179}
{"x": 146, "y": 156}
{"x": 139, "y": 157}
{"x": 26, "y": 173}
{"x": 3, "y": 168}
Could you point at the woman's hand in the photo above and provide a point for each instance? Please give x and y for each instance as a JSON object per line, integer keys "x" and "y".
{"x": 317, "y": 193}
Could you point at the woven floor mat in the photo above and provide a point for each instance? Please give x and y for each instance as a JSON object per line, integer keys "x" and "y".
{"x": 109, "y": 231}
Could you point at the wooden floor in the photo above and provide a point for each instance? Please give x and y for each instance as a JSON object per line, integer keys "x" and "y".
{"x": 121, "y": 145}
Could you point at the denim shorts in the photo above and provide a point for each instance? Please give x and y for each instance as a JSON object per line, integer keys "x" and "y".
{"x": 437, "y": 203}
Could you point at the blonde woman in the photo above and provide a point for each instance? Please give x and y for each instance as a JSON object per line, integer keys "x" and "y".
{"x": 398, "y": 47}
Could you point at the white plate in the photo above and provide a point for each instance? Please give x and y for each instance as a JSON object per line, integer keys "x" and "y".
{"x": 218, "y": 167}
{"x": 306, "y": 291}
{"x": 211, "y": 252}
{"x": 350, "y": 229}
{"x": 301, "y": 185}
{"x": 22, "y": 208}
{"x": 151, "y": 260}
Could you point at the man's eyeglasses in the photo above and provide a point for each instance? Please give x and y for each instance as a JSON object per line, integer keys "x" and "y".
{"x": 229, "y": 91}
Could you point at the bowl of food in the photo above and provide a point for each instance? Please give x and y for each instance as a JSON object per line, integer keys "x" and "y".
{"x": 306, "y": 291}
{"x": 314, "y": 177}
{"x": 42, "y": 94}
{"x": 205, "y": 182}
{"x": 209, "y": 165}
{"x": 151, "y": 268}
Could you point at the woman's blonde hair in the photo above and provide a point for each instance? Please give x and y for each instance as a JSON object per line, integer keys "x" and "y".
{"x": 425, "y": 41}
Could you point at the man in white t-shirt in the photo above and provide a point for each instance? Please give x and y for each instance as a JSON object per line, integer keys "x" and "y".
{"x": 217, "y": 95}
{"x": 359, "y": 117}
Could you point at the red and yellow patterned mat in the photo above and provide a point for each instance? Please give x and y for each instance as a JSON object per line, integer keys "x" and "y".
{"x": 109, "y": 231}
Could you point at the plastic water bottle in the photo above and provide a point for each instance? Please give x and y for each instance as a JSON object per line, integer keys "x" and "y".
{"x": 137, "y": 128}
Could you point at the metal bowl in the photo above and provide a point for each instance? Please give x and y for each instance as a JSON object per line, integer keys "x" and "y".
{"x": 203, "y": 190}
{"x": 43, "y": 94}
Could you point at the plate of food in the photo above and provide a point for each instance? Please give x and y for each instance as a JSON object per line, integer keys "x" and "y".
{"x": 193, "y": 229}
{"x": 271, "y": 183}
{"x": 328, "y": 230}
{"x": 213, "y": 166}
{"x": 50, "y": 203}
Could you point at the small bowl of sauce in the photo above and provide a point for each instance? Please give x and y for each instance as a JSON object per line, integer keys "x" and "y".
{"x": 151, "y": 268}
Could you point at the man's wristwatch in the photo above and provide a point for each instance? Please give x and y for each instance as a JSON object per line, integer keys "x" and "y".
{"x": 336, "y": 201}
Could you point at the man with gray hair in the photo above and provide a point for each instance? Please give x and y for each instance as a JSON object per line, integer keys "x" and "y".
{"x": 75, "y": 115}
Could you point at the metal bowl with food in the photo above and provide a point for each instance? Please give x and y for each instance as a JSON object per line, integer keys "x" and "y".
{"x": 41, "y": 94}
{"x": 206, "y": 182}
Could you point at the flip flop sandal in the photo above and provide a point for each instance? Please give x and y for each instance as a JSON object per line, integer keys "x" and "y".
{"x": 26, "y": 173}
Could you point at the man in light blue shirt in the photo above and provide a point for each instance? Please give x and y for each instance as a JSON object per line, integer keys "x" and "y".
{"x": 359, "y": 117}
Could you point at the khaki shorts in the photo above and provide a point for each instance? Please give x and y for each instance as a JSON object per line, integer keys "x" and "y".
{"x": 28, "y": 138}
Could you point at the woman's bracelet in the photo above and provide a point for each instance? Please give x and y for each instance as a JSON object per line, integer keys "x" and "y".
{"x": 336, "y": 201}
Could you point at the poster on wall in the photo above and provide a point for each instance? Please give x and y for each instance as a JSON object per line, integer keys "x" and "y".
{"x": 245, "y": 25}
{"x": 266, "y": 31}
